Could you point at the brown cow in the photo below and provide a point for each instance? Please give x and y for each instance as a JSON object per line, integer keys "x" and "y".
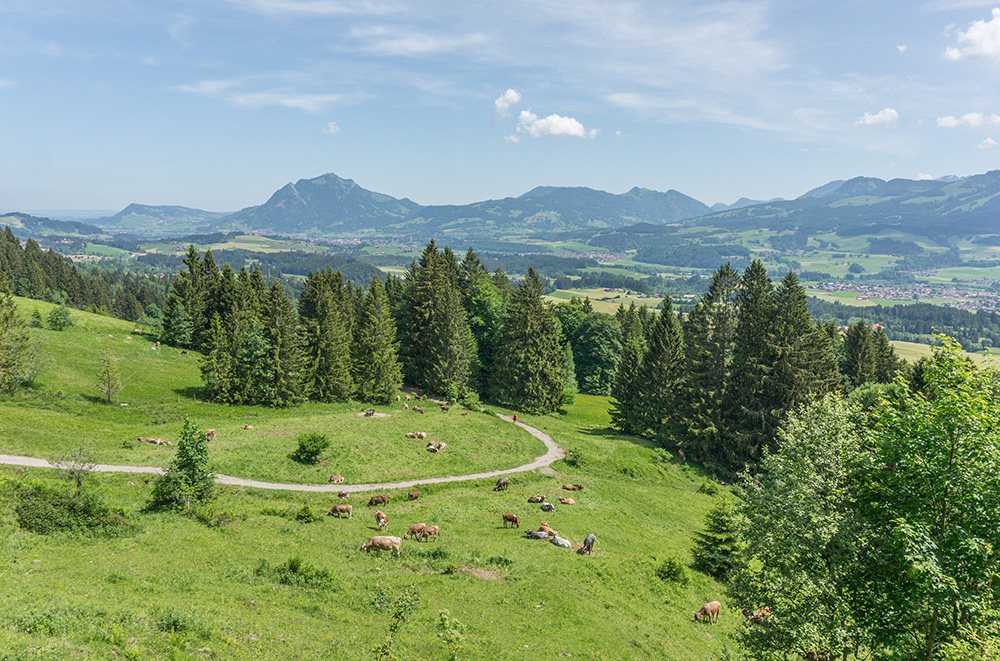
{"x": 567, "y": 501}
{"x": 428, "y": 531}
{"x": 816, "y": 656}
{"x": 344, "y": 495}
{"x": 381, "y": 519}
{"x": 209, "y": 435}
{"x": 336, "y": 479}
{"x": 445, "y": 408}
{"x": 537, "y": 499}
{"x": 415, "y": 530}
{"x": 383, "y": 544}
{"x": 381, "y": 499}
{"x": 337, "y": 510}
{"x": 573, "y": 487}
{"x": 511, "y": 519}
{"x": 417, "y": 409}
{"x": 413, "y": 495}
{"x": 247, "y": 426}
{"x": 544, "y": 527}
{"x": 710, "y": 611}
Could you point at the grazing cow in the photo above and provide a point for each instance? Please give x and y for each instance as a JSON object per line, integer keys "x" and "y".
{"x": 428, "y": 531}
{"x": 501, "y": 484}
{"x": 337, "y": 510}
{"x": 559, "y": 541}
{"x": 383, "y": 544}
{"x": 417, "y": 409}
{"x": 548, "y": 507}
{"x": 381, "y": 519}
{"x": 537, "y": 499}
{"x": 588, "y": 544}
{"x": 567, "y": 501}
{"x": 760, "y": 617}
{"x": 415, "y": 530}
{"x": 247, "y": 426}
{"x": 511, "y": 519}
{"x": 710, "y": 611}
{"x": 381, "y": 499}
{"x": 336, "y": 479}
{"x": 573, "y": 487}
{"x": 536, "y": 534}
{"x": 407, "y": 398}
{"x": 397, "y": 398}
{"x": 184, "y": 352}
{"x": 413, "y": 495}
{"x": 209, "y": 435}
{"x": 406, "y": 407}
{"x": 544, "y": 527}
{"x": 445, "y": 408}
{"x": 344, "y": 495}
{"x": 464, "y": 413}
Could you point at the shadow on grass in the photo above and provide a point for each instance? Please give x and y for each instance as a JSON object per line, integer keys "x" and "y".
{"x": 190, "y": 392}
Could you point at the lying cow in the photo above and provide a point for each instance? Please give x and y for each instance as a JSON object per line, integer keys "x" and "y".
{"x": 567, "y": 501}
{"x": 414, "y": 530}
{"x": 501, "y": 484}
{"x": 548, "y": 507}
{"x": 573, "y": 487}
{"x": 537, "y": 499}
{"x": 336, "y": 479}
{"x": 381, "y": 499}
{"x": 544, "y": 527}
{"x": 413, "y": 495}
{"x": 247, "y": 426}
{"x": 536, "y": 534}
{"x": 337, "y": 510}
{"x": 154, "y": 441}
{"x": 344, "y": 495}
{"x": 383, "y": 544}
{"x": 559, "y": 541}
{"x": 511, "y": 519}
{"x": 588, "y": 544}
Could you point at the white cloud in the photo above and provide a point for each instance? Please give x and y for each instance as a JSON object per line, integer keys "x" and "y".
{"x": 306, "y": 102}
{"x": 968, "y": 119}
{"x": 883, "y": 117}
{"x": 553, "y": 125}
{"x": 982, "y": 39}
{"x": 208, "y": 87}
{"x": 320, "y": 7}
{"x": 922, "y": 176}
{"x": 332, "y": 127}
{"x": 988, "y": 143}
{"x": 388, "y": 40}
{"x": 901, "y": 48}
{"x": 505, "y": 102}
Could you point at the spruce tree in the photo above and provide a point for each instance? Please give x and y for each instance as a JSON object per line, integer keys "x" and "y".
{"x": 20, "y": 358}
{"x": 253, "y": 376}
{"x": 860, "y": 359}
{"x": 658, "y": 385}
{"x": 569, "y": 379}
{"x": 188, "y": 480}
{"x": 485, "y": 309}
{"x": 378, "y": 374}
{"x": 708, "y": 339}
{"x": 328, "y": 356}
{"x": 216, "y": 362}
{"x": 109, "y": 380}
{"x": 284, "y": 335}
{"x": 177, "y": 329}
{"x": 529, "y": 372}
{"x": 624, "y": 400}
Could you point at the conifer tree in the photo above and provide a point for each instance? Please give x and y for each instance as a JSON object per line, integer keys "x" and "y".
{"x": 378, "y": 374}
{"x": 569, "y": 378}
{"x": 529, "y": 372}
{"x": 216, "y": 362}
{"x": 624, "y": 400}
{"x": 188, "y": 480}
{"x": 658, "y": 385}
{"x": 708, "y": 341}
{"x": 887, "y": 363}
{"x": 860, "y": 360}
{"x": 284, "y": 335}
{"x": 20, "y": 358}
{"x": 328, "y": 357}
{"x": 109, "y": 380}
{"x": 485, "y": 309}
{"x": 177, "y": 328}
{"x": 253, "y": 373}
{"x": 753, "y": 419}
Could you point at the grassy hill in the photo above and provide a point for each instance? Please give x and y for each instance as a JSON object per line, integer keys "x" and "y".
{"x": 183, "y": 589}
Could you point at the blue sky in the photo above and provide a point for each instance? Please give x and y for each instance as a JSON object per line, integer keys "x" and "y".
{"x": 215, "y": 104}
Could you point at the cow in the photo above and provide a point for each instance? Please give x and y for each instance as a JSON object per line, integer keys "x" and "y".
{"x": 464, "y": 413}
{"x": 760, "y": 617}
{"x": 547, "y": 507}
{"x": 381, "y": 499}
{"x": 413, "y": 495}
{"x": 336, "y": 479}
{"x": 407, "y": 398}
{"x": 536, "y": 534}
{"x": 445, "y": 408}
{"x": 369, "y": 413}
{"x": 544, "y": 527}
{"x": 537, "y": 499}
{"x": 422, "y": 435}
{"x": 381, "y": 519}
{"x": 247, "y": 426}
{"x": 209, "y": 435}
{"x": 337, "y": 510}
{"x": 567, "y": 501}
{"x": 411, "y": 434}
{"x": 559, "y": 541}
{"x": 154, "y": 441}
{"x": 573, "y": 487}
{"x": 383, "y": 544}
{"x": 588, "y": 544}
{"x": 431, "y": 448}
{"x": 406, "y": 407}
{"x": 184, "y": 352}
{"x": 344, "y": 495}
{"x": 428, "y": 531}
{"x": 415, "y": 530}
{"x": 709, "y": 611}
{"x": 501, "y": 484}
{"x": 511, "y": 519}
{"x": 417, "y": 409}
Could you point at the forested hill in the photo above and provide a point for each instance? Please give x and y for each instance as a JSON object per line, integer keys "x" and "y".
{"x": 25, "y": 226}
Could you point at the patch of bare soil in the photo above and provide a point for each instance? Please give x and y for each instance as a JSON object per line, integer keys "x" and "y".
{"x": 373, "y": 415}
{"x": 486, "y": 574}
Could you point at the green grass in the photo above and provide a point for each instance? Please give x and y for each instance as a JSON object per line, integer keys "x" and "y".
{"x": 180, "y": 589}
{"x": 912, "y": 352}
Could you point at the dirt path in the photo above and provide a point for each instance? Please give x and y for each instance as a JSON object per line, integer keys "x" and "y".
{"x": 554, "y": 453}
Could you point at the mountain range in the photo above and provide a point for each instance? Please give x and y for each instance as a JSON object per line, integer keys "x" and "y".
{"x": 330, "y": 205}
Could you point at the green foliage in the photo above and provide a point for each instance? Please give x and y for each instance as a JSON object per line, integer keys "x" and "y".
{"x": 597, "y": 350}
{"x": 377, "y": 371}
{"x": 658, "y": 383}
{"x": 672, "y": 570}
{"x": 109, "y": 380}
{"x": 453, "y": 634}
{"x": 306, "y": 515}
{"x": 76, "y": 465}
{"x": 188, "y": 481}
{"x": 35, "y": 320}
{"x": 45, "y": 512}
{"x": 310, "y": 446}
{"x": 20, "y": 358}
{"x": 296, "y": 572}
{"x": 624, "y": 413}
{"x": 709, "y": 488}
{"x": 394, "y": 611}
{"x": 718, "y": 547}
{"x": 59, "y": 319}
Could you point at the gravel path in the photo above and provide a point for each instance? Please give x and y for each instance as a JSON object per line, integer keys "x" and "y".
{"x": 554, "y": 453}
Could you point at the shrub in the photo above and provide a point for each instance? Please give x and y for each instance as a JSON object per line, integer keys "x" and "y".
{"x": 35, "y": 320}
{"x": 499, "y": 561}
{"x": 310, "y": 447}
{"x": 710, "y": 488}
{"x": 672, "y": 570}
{"x": 45, "y": 512}
{"x": 59, "y": 318}
{"x": 297, "y": 572}
{"x": 305, "y": 515}
{"x": 188, "y": 480}
{"x": 574, "y": 457}
{"x": 471, "y": 401}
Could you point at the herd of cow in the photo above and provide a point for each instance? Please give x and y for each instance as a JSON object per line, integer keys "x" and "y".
{"x": 544, "y": 531}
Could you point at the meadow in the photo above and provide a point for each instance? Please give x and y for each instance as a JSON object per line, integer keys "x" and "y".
{"x": 247, "y": 579}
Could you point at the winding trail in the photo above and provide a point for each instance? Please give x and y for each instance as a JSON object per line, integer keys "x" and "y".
{"x": 554, "y": 453}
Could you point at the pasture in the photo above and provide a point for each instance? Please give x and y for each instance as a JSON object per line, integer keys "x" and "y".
{"x": 247, "y": 579}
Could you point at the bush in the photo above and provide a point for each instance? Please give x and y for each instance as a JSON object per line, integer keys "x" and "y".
{"x": 216, "y": 518}
{"x": 710, "y": 488}
{"x": 574, "y": 457}
{"x": 672, "y": 570}
{"x": 46, "y": 512}
{"x": 297, "y": 573}
{"x": 305, "y": 515}
{"x": 471, "y": 401}
{"x": 310, "y": 447}
{"x": 59, "y": 318}
{"x": 188, "y": 480}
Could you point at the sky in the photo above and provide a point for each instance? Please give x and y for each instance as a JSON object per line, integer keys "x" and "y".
{"x": 215, "y": 104}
